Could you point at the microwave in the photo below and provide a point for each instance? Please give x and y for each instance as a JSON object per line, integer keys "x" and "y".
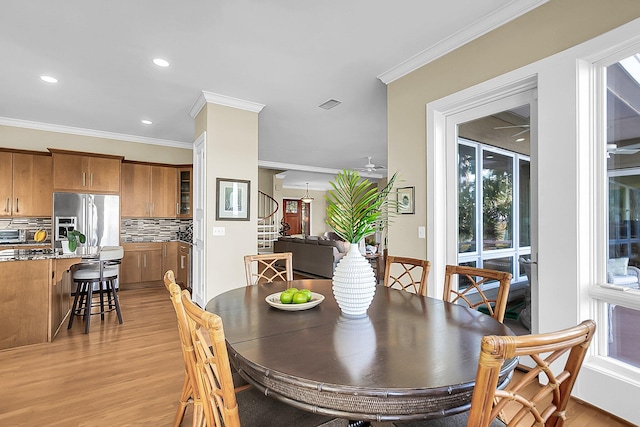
{"x": 13, "y": 236}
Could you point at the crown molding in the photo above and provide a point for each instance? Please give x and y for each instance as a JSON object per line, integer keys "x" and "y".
{"x": 507, "y": 13}
{"x": 227, "y": 101}
{"x": 48, "y": 127}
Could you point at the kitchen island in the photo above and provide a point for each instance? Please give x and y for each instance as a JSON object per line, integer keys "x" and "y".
{"x": 36, "y": 288}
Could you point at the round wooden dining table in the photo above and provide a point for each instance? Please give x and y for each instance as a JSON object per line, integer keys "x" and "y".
{"x": 410, "y": 358}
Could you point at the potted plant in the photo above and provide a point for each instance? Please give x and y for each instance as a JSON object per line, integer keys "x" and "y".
{"x": 356, "y": 209}
{"x": 73, "y": 237}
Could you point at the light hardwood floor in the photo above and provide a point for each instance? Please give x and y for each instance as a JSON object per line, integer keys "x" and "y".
{"x": 122, "y": 375}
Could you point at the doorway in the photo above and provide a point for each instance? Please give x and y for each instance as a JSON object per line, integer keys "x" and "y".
{"x": 475, "y": 140}
{"x": 297, "y": 215}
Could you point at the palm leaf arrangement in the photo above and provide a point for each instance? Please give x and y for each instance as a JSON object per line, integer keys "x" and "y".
{"x": 355, "y": 207}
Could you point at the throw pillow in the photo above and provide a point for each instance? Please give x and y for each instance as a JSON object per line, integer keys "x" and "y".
{"x": 618, "y": 266}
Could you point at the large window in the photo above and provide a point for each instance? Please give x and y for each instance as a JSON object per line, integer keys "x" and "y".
{"x": 493, "y": 207}
{"x": 622, "y": 322}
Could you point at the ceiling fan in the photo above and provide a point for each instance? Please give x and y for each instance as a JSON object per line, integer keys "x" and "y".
{"x": 628, "y": 149}
{"x": 370, "y": 167}
{"x": 525, "y": 129}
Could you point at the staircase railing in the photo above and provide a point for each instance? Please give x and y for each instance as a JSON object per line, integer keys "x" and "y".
{"x": 267, "y": 222}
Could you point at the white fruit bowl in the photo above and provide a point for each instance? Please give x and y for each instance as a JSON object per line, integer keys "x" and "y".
{"x": 274, "y": 301}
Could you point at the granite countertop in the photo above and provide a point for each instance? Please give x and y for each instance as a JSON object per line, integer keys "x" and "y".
{"x": 45, "y": 253}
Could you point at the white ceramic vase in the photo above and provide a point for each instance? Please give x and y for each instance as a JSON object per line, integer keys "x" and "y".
{"x": 354, "y": 283}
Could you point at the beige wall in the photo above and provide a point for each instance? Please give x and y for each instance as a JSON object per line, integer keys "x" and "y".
{"x": 231, "y": 152}
{"x": 40, "y": 140}
{"x": 318, "y": 206}
{"x": 551, "y": 28}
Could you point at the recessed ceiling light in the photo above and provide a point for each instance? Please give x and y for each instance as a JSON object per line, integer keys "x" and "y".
{"x": 161, "y": 62}
{"x": 146, "y": 122}
{"x": 49, "y": 79}
{"x": 519, "y": 139}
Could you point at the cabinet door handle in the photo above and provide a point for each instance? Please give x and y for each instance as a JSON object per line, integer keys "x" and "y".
{"x": 6, "y": 205}
{"x": 84, "y": 179}
{"x": 138, "y": 260}
{"x": 17, "y": 208}
{"x": 145, "y": 260}
{"x": 91, "y": 180}
{"x": 146, "y": 208}
{"x": 177, "y": 208}
{"x": 182, "y": 257}
{"x": 153, "y": 208}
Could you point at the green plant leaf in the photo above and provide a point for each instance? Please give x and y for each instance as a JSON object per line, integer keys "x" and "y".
{"x": 355, "y": 207}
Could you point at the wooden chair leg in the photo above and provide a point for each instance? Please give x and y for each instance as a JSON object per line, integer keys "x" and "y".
{"x": 87, "y": 308}
{"x": 116, "y": 302}
{"x": 74, "y": 307}
{"x": 185, "y": 399}
{"x": 101, "y": 286}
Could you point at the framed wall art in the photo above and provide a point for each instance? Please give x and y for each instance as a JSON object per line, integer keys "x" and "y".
{"x": 232, "y": 199}
{"x": 406, "y": 200}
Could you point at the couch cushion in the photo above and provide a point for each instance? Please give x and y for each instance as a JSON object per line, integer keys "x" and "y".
{"x": 618, "y": 266}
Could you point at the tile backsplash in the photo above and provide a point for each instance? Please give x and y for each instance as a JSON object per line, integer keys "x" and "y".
{"x": 150, "y": 229}
{"x": 30, "y": 224}
{"x": 131, "y": 230}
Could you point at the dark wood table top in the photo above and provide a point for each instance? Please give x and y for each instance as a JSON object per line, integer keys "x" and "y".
{"x": 412, "y": 357}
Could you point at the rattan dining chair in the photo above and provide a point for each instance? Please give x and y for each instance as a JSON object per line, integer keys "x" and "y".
{"x": 407, "y": 274}
{"x": 268, "y": 268}
{"x": 524, "y": 402}
{"x": 477, "y": 279}
{"x": 548, "y": 403}
{"x": 189, "y": 393}
{"x": 223, "y": 405}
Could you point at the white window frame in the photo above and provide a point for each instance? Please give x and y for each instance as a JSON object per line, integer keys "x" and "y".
{"x": 592, "y": 81}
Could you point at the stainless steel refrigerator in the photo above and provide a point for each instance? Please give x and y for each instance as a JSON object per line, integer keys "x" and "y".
{"x": 97, "y": 216}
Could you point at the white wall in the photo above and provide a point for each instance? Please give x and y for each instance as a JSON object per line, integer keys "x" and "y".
{"x": 232, "y": 152}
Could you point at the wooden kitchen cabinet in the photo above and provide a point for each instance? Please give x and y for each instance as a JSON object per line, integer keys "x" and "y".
{"x": 149, "y": 191}
{"x": 170, "y": 258}
{"x": 164, "y": 184}
{"x": 86, "y": 172}
{"x": 25, "y": 184}
{"x": 142, "y": 262}
{"x": 23, "y": 314}
{"x": 185, "y": 192}
{"x": 184, "y": 265}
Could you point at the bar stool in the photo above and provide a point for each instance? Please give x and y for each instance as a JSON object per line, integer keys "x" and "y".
{"x": 97, "y": 278}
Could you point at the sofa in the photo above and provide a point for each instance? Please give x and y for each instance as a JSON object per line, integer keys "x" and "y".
{"x": 313, "y": 255}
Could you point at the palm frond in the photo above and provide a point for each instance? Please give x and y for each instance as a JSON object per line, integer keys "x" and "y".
{"x": 355, "y": 207}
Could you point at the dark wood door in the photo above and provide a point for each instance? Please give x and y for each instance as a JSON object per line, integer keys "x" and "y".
{"x": 296, "y": 214}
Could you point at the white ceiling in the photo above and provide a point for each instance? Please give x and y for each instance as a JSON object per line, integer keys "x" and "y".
{"x": 290, "y": 56}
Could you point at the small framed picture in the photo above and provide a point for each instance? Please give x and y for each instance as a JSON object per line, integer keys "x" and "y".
{"x": 406, "y": 200}
{"x": 232, "y": 201}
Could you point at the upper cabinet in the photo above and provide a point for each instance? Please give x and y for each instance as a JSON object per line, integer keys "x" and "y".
{"x": 84, "y": 172}
{"x": 149, "y": 191}
{"x": 185, "y": 186}
{"x": 25, "y": 184}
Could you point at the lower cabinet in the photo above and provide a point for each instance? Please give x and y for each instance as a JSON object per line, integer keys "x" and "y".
{"x": 142, "y": 262}
{"x": 147, "y": 262}
{"x": 170, "y": 258}
{"x": 24, "y": 313}
{"x": 184, "y": 263}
